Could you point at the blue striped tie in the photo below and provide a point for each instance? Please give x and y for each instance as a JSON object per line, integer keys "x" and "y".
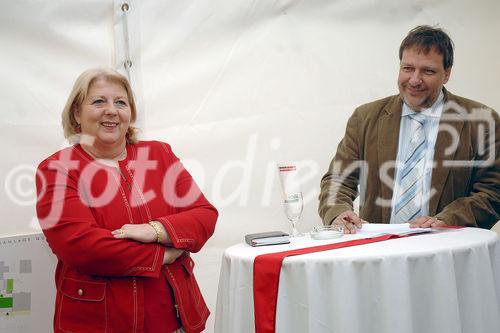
{"x": 409, "y": 204}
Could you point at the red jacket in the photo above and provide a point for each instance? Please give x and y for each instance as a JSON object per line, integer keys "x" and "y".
{"x": 99, "y": 278}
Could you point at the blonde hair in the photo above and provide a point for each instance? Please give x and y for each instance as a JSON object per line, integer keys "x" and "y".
{"x": 79, "y": 93}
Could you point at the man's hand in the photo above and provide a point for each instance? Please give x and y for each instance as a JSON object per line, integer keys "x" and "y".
{"x": 350, "y": 221}
{"x": 427, "y": 222}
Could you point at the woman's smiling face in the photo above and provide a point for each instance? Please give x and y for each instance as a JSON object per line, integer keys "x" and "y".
{"x": 104, "y": 116}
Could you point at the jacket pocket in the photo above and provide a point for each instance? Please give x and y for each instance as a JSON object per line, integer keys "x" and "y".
{"x": 192, "y": 308}
{"x": 83, "y": 306}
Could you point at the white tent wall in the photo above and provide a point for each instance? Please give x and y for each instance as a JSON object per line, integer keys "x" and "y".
{"x": 233, "y": 86}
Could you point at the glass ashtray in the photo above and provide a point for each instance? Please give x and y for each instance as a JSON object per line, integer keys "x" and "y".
{"x": 327, "y": 232}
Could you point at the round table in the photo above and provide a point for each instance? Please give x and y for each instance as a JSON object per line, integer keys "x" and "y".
{"x": 444, "y": 282}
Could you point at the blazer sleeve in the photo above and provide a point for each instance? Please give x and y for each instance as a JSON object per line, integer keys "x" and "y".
{"x": 74, "y": 235}
{"x": 480, "y": 207}
{"x": 339, "y": 186}
{"x": 194, "y": 221}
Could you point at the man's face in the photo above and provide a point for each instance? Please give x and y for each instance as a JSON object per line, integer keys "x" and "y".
{"x": 421, "y": 77}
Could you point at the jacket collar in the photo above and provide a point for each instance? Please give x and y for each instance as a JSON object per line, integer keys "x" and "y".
{"x": 450, "y": 129}
{"x": 388, "y": 135}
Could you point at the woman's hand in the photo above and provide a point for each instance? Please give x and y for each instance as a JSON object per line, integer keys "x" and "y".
{"x": 143, "y": 233}
{"x": 171, "y": 254}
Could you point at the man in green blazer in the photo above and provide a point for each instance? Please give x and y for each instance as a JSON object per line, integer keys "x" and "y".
{"x": 456, "y": 180}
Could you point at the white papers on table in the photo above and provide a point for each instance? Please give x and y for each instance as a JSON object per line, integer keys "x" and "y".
{"x": 400, "y": 229}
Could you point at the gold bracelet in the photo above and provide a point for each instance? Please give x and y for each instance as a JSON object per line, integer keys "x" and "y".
{"x": 159, "y": 234}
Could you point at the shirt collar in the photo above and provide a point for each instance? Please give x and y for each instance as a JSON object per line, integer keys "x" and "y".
{"x": 434, "y": 111}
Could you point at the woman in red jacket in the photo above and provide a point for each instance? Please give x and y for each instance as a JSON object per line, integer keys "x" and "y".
{"x": 121, "y": 216}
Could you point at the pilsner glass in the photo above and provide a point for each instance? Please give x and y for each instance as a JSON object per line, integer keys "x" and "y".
{"x": 292, "y": 195}
{"x": 293, "y": 205}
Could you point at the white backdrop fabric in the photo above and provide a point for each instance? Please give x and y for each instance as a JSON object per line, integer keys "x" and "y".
{"x": 233, "y": 86}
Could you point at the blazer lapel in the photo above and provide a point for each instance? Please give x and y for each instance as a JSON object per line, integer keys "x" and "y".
{"x": 388, "y": 135}
{"x": 450, "y": 127}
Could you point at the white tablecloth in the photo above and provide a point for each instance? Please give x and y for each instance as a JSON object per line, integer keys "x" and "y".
{"x": 446, "y": 282}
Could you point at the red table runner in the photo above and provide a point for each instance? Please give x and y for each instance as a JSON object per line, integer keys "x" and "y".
{"x": 266, "y": 273}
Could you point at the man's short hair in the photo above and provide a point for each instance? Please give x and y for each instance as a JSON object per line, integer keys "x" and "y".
{"x": 425, "y": 38}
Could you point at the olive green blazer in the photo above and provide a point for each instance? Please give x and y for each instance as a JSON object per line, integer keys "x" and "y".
{"x": 465, "y": 184}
